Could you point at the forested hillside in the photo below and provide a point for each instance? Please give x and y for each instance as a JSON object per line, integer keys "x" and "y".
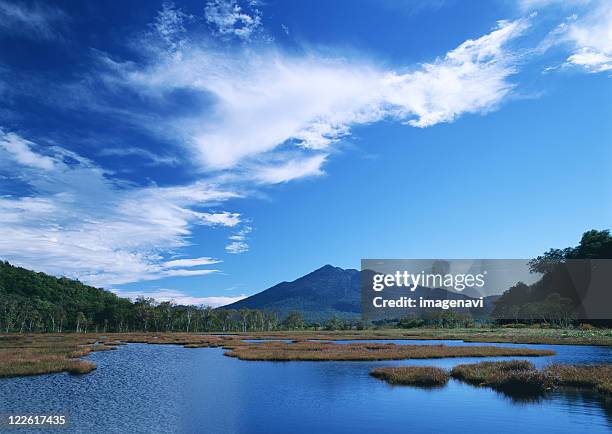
{"x": 37, "y": 302}
{"x": 34, "y": 301}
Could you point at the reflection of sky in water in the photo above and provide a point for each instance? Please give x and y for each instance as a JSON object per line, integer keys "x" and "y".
{"x": 158, "y": 388}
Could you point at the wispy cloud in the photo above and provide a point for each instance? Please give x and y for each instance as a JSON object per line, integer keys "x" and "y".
{"x": 20, "y": 150}
{"x": 290, "y": 169}
{"x": 238, "y": 242}
{"x": 585, "y": 32}
{"x": 264, "y": 99}
{"x": 180, "y": 298}
{"x": 32, "y": 20}
{"x": 144, "y": 154}
{"x": 170, "y": 25}
{"x": 192, "y": 262}
{"x": 82, "y": 222}
{"x": 237, "y": 247}
{"x": 592, "y": 39}
{"x": 229, "y": 19}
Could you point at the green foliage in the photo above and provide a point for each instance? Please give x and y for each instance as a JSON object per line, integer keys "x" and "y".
{"x": 32, "y": 301}
{"x": 37, "y": 302}
{"x": 409, "y": 322}
{"x": 294, "y": 321}
{"x": 553, "y": 298}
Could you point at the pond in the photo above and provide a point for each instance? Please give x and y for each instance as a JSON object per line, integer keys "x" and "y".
{"x": 168, "y": 388}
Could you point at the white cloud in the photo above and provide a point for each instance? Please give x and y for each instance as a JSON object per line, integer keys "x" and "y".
{"x": 238, "y": 242}
{"x": 32, "y": 20}
{"x": 221, "y": 218}
{"x": 592, "y": 38}
{"x": 145, "y": 154}
{"x": 180, "y": 298}
{"x": 264, "y": 99}
{"x": 587, "y": 31}
{"x": 228, "y": 18}
{"x": 169, "y": 25}
{"x": 20, "y": 150}
{"x": 290, "y": 169}
{"x": 81, "y": 222}
{"x": 471, "y": 78}
{"x": 591, "y": 60}
{"x": 184, "y": 273}
{"x": 237, "y": 247}
{"x": 192, "y": 262}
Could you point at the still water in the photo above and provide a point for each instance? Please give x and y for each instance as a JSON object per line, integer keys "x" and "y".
{"x": 167, "y": 388}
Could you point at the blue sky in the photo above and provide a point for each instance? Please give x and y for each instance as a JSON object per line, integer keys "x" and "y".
{"x": 202, "y": 151}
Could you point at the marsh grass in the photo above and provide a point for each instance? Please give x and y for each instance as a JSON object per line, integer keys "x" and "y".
{"x": 520, "y": 377}
{"x": 513, "y": 377}
{"x": 34, "y": 355}
{"x": 321, "y": 351}
{"x": 528, "y": 335}
{"x": 421, "y": 376}
{"x": 597, "y": 377}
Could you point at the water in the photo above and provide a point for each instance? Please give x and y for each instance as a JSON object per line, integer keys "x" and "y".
{"x": 167, "y": 388}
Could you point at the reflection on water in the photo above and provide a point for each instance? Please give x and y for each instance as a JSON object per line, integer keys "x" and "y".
{"x": 159, "y": 388}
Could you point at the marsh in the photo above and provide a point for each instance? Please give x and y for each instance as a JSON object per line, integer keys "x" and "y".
{"x": 169, "y": 388}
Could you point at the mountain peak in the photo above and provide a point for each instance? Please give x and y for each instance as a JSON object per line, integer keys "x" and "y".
{"x": 327, "y": 267}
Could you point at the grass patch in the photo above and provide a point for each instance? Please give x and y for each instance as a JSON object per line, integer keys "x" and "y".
{"x": 321, "y": 351}
{"x": 528, "y": 335}
{"x": 514, "y": 377}
{"x": 587, "y": 376}
{"x": 519, "y": 377}
{"x": 423, "y": 376}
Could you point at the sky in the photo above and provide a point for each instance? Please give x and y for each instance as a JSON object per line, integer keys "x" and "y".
{"x": 202, "y": 151}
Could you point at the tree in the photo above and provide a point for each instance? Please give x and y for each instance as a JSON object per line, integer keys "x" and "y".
{"x": 80, "y": 320}
{"x": 295, "y": 320}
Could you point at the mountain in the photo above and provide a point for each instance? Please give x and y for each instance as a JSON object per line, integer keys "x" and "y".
{"x": 319, "y": 295}
{"x": 327, "y": 292}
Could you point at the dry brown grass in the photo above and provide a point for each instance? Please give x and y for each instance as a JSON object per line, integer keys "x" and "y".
{"x": 520, "y": 376}
{"x": 516, "y": 376}
{"x": 550, "y": 336}
{"x": 42, "y": 354}
{"x": 424, "y": 376}
{"x": 589, "y": 376}
{"x": 320, "y": 351}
